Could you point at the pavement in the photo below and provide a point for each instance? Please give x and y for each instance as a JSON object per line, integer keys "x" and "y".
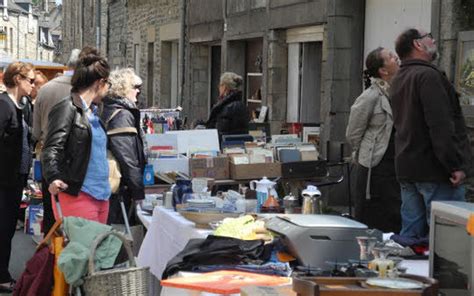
{"x": 23, "y": 249}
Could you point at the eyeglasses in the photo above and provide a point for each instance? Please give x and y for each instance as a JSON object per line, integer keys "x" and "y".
{"x": 30, "y": 80}
{"x": 426, "y": 35}
{"x": 138, "y": 86}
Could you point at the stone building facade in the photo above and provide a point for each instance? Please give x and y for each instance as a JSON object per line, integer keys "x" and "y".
{"x": 84, "y": 23}
{"x": 303, "y": 59}
{"x": 19, "y": 28}
{"x": 267, "y": 42}
{"x": 153, "y": 33}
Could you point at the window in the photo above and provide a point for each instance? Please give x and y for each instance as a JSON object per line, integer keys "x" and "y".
{"x": 253, "y": 76}
{"x": 150, "y": 74}
{"x": 3, "y": 38}
{"x": 304, "y": 82}
{"x": 11, "y": 40}
{"x": 169, "y": 73}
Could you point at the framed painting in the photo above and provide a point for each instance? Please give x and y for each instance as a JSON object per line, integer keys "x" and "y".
{"x": 464, "y": 79}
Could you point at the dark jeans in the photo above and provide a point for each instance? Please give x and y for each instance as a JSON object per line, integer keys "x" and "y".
{"x": 48, "y": 216}
{"x": 382, "y": 211}
{"x": 10, "y": 198}
{"x": 416, "y": 204}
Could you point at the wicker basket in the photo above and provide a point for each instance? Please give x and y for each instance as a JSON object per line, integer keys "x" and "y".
{"x": 122, "y": 281}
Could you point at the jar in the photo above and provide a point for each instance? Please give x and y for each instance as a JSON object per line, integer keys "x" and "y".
{"x": 290, "y": 202}
{"x": 311, "y": 200}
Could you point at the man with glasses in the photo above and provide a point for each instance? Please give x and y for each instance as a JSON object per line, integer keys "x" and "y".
{"x": 432, "y": 153}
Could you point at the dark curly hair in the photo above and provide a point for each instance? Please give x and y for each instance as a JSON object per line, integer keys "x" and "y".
{"x": 90, "y": 68}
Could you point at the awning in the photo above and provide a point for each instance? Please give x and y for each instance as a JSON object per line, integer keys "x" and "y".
{"x": 5, "y": 60}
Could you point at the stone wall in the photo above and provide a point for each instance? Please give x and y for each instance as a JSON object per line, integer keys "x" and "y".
{"x": 198, "y": 81}
{"x": 145, "y": 17}
{"x": 277, "y": 78}
{"x": 80, "y": 25}
{"x": 117, "y": 37}
{"x": 450, "y": 18}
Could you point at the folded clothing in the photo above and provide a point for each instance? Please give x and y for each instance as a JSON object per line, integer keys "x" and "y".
{"x": 218, "y": 250}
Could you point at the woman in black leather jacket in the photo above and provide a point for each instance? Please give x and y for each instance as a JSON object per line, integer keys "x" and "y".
{"x": 122, "y": 119}
{"x": 229, "y": 115}
{"x": 74, "y": 156}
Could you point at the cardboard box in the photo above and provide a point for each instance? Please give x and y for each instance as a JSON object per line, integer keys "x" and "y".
{"x": 255, "y": 170}
{"x": 166, "y": 165}
{"x": 209, "y": 167}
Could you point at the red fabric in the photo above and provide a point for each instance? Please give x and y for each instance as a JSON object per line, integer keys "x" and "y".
{"x": 37, "y": 278}
{"x": 83, "y": 205}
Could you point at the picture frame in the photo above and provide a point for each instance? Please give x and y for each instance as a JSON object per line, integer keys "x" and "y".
{"x": 464, "y": 76}
{"x": 311, "y": 134}
{"x": 262, "y": 115}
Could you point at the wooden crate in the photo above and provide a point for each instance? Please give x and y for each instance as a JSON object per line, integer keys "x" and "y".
{"x": 342, "y": 286}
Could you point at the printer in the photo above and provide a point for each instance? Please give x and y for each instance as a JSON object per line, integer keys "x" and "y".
{"x": 317, "y": 239}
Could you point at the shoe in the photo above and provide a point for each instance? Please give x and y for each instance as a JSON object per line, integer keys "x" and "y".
{"x": 7, "y": 287}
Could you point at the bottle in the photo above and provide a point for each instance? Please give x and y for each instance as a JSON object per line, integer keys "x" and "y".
{"x": 271, "y": 205}
{"x": 148, "y": 175}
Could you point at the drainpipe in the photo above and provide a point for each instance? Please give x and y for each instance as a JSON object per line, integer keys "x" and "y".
{"x": 182, "y": 48}
{"x": 98, "y": 24}
{"x": 81, "y": 28}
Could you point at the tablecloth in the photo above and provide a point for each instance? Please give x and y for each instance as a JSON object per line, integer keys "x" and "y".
{"x": 144, "y": 217}
{"x": 167, "y": 235}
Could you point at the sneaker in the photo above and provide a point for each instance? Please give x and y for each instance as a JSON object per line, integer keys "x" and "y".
{"x": 7, "y": 287}
{"x": 37, "y": 239}
{"x": 20, "y": 225}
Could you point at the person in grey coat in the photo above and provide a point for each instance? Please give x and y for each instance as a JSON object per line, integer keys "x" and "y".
{"x": 370, "y": 133}
{"x": 48, "y": 96}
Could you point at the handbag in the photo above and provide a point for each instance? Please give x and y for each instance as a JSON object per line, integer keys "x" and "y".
{"x": 114, "y": 172}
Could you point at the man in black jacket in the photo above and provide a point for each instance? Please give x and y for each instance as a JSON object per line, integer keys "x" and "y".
{"x": 432, "y": 154}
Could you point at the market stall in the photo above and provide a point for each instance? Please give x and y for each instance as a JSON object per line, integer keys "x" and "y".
{"x": 245, "y": 192}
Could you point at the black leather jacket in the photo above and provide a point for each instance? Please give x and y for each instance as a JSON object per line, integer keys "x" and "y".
{"x": 125, "y": 141}
{"x": 67, "y": 147}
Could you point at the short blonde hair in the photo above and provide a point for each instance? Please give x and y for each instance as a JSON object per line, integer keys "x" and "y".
{"x": 231, "y": 80}
{"x": 123, "y": 81}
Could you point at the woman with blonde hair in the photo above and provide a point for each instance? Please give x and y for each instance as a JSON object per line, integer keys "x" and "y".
{"x": 15, "y": 158}
{"x": 122, "y": 120}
